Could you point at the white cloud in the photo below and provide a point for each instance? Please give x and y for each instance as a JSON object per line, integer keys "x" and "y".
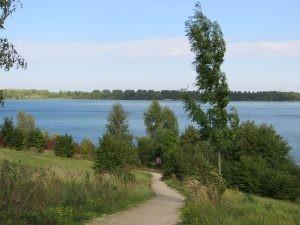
{"x": 152, "y": 49}
{"x": 148, "y": 50}
{"x": 265, "y": 48}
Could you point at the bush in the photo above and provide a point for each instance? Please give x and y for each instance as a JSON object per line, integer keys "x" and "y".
{"x": 36, "y": 139}
{"x": 254, "y": 175}
{"x": 12, "y": 137}
{"x": 116, "y": 146}
{"x": 146, "y": 151}
{"x": 7, "y": 131}
{"x": 258, "y": 162}
{"x": 64, "y": 146}
{"x": 113, "y": 155}
{"x": 18, "y": 139}
{"x": 25, "y": 123}
{"x": 87, "y": 149}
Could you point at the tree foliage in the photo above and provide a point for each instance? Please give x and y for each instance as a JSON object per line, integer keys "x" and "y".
{"x": 25, "y": 123}
{"x": 162, "y": 139}
{"x": 116, "y": 146}
{"x": 87, "y": 149}
{"x": 9, "y": 56}
{"x": 258, "y": 162}
{"x": 146, "y": 95}
{"x": 64, "y": 146}
{"x": 7, "y": 131}
{"x": 36, "y": 139}
{"x": 208, "y": 45}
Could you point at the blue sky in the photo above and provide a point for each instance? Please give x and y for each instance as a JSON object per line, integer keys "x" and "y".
{"x": 139, "y": 44}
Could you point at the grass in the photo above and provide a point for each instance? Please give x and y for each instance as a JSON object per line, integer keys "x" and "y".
{"x": 45, "y": 160}
{"x": 237, "y": 208}
{"x": 40, "y": 188}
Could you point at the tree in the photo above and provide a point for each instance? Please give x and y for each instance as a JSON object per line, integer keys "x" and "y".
{"x": 26, "y": 123}
{"x": 7, "y": 131}
{"x": 162, "y": 129}
{"x": 258, "y": 162}
{"x": 208, "y": 44}
{"x": 153, "y": 119}
{"x": 117, "y": 123}
{"x": 9, "y": 56}
{"x": 64, "y": 146}
{"x": 36, "y": 139}
{"x": 87, "y": 149}
{"x": 116, "y": 147}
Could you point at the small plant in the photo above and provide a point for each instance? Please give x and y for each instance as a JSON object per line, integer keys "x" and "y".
{"x": 7, "y": 132}
{"x": 87, "y": 149}
{"x": 64, "y": 146}
{"x": 36, "y": 140}
{"x": 249, "y": 198}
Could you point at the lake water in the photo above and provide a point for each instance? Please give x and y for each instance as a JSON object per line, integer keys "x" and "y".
{"x": 87, "y": 118}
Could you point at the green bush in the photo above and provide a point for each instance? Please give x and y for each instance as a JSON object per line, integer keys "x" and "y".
{"x": 116, "y": 146}
{"x": 64, "y": 146}
{"x": 254, "y": 175}
{"x": 146, "y": 151}
{"x": 162, "y": 139}
{"x": 258, "y": 162}
{"x": 113, "y": 154}
{"x": 18, "y": 139}
{"x": 13, "y": 137}
{"x": 36, "y": 139}
{"x": 87, "y": 149}
{"x": 7, "y": 131}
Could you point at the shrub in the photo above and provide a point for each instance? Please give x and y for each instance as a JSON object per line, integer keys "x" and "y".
{"x": 191, "y": 136}
{"x": 64, "y": 146}
{"x": 146, "y": 151}
{"x": 87, "y": 149}
{"x": 258, "y": 162}
{"x": 25, "y": 123}
{"x": 18, "y": 139}
{"x": 253, "y": 175}
{"x": 50, "y": 142}
{"x": 116, "y": 146}
{"x": 36, "y": 139}
{"x": 112, "y": 155}
{"x": 7, "y": 131}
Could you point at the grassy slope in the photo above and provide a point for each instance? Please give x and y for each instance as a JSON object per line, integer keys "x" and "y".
{"x": 238, "y": 208}
{"x": 46, "y": 160}
{"x": 64, "y": 167}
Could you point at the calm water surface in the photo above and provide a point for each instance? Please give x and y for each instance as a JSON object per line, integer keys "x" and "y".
{"x": 87, "y": 118}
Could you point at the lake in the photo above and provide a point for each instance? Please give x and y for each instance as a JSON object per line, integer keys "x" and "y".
{"x": 87, "y": 118}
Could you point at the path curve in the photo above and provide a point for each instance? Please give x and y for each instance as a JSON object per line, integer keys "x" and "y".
{"x": 163, "y": 209}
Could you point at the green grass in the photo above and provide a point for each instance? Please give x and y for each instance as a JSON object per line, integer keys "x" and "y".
{"x": 45, "y": 160}
{"x": 58, "y": 191}
{"x": 237, "y": 208}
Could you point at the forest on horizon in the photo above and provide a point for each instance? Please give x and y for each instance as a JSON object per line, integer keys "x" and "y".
{"x": 144, "y": 95}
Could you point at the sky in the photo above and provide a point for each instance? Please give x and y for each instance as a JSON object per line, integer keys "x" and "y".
{"x": 141, "y": 44}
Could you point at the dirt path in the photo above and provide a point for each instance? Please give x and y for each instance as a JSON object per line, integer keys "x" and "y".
{"x": 160, "y": 210}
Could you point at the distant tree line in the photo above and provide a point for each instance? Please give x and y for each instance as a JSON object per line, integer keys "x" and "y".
{"x": 146, "y": 95}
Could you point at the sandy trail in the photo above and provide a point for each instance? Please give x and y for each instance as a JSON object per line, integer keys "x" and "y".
{"x": 161, "y": 210}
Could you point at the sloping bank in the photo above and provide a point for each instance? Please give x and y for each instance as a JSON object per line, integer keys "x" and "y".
{"x": 235, "y": 208}
{"x": 43, "y": 189}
